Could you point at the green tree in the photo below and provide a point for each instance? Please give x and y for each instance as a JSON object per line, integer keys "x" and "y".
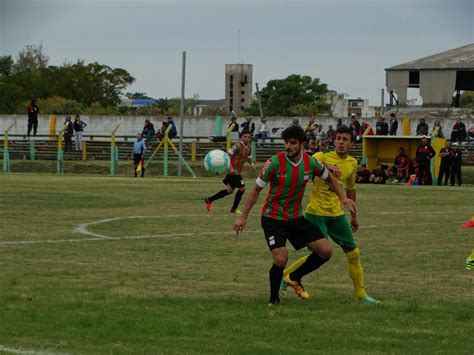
{"x": 282, "y": 97}
{"x": 31, "y": 58}
{"x": 467, "y": 99}
{"x": 6, "y": 65}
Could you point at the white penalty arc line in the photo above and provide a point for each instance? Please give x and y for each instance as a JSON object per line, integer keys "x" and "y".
{"x": 21, "y": 351}
{"x": 82, "y": 229}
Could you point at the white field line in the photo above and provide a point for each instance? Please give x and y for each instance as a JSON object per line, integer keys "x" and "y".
{"x": 21, "y": 351}
{"x": 83, "y": 229}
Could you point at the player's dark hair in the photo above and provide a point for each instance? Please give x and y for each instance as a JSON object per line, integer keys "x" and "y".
{"x": 245, "y": 132}
{"x": 294, "y": 132}
{"x": 344, "y": 129}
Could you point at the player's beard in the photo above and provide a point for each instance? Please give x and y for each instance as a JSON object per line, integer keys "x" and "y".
{"x": 291, "y": 154}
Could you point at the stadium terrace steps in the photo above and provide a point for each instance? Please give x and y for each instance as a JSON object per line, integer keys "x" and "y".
{"x": 46, "y": 149}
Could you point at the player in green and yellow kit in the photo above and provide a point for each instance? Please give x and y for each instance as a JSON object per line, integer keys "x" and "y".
{"x": 282, "y": 219}
{"x": 470, "y": 258}
{"x": 324, "y": 210}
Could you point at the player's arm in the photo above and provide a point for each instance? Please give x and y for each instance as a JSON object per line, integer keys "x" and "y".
{"x": 234, "y": 149}
{"x": 252, "y": 198}
{"x": 351, "y": 194}
{"x": 331, "y": 180}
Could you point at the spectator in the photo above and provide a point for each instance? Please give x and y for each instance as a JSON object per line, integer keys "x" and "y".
{"x": 339, "y": 123}
{"x": 437, "y": 130}
{"x": 248, "y": 126}
{"x": 458, "y": 134}
{"x": 331, "y": 134}
{"x": 68, "y": 133}
{"x": 173, "y": 131}
{"x": 445, "y": 166}
{"x": 356, "y": 128}
{"x": 363, "y": 175}
{"x": 311, "y": 146}
{"x": 381, "y": 127}
{"x": 33, "y": 111}
{"x": 424, "y": 154}
{"x": 320, "y": 134}
{"x": 401, "y": 166}
{"x": 262, "y": 130}
{"x": 378, "y": 176}
{"x": 139, "y": 149}
{"x": 367, "y": 129}
{"x": 233, "y": 125}
{"x": 393, "y": 125}
{"x": 310, "y": 128}
{"x": 161, "y": 132}
{"x": 422, "y": 128}
{"x": 471, "y": 131}
{"x": 456, "y": 159}
{"x": 296, "y": 123}
{"x": 79, "y": 126}
{"x": 148, "y": 131}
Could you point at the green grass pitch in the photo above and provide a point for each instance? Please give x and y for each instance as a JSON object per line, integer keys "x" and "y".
{"x": 94, "y": 264}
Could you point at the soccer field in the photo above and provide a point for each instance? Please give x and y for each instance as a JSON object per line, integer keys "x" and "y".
{"x": 123, "y": 265}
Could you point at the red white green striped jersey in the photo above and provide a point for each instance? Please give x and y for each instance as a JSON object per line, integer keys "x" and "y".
{"x": 287, "y": 184}
{"x": 239, "y": 153}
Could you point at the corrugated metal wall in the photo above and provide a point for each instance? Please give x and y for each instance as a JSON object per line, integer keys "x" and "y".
{"x": 437, "y": 87}
{"x": 398, "y": 82}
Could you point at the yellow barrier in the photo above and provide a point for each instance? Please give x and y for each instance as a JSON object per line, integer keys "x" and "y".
{"x": 406, "y": 126}
{"x": 193, "y": 151}
{"x": 84, "y": 151}
{"x": 52, "y": 127}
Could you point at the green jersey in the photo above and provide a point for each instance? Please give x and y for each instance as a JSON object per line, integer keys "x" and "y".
{"x": 287, "y": 184}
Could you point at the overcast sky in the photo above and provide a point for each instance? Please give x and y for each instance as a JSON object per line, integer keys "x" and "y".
{"x": 345, "y": 43}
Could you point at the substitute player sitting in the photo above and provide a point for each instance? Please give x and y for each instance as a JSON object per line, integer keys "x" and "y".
{"x": 325, "y": 212}
{"x": 239, "y": 153}
{"x": 288, "y": 173}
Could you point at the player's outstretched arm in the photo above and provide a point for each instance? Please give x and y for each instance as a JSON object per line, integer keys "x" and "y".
{"x": 334, "y": 185}
{"x": 252, "y": 198}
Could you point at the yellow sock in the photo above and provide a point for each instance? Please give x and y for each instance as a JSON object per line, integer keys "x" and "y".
{"x": 295, "y": 265}
{"x": 356, "y": 272}
{"x": 472, "y": 219}
{"x": 472, "y": 254}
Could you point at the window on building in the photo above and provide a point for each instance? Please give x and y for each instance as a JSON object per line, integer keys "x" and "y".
{"x": 242, "y": 92}
{"x": 231, "y": 78}
{"x": 231, "y": 93}
{"x": 242, "y": 85}
{"x": 231, "y": 109}
{"x": 231, "y": 86}
{"x": 356, "y": 104}
{"x": 242, "y": 100}
{"x": 231, "y": 101}
{"x": 242, "y": 108}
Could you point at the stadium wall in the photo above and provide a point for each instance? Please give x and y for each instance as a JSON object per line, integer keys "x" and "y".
{"x": 205, "y": 126}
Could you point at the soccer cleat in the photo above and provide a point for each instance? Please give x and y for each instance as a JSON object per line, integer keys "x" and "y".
{"x": 468, "y": 224}
{"x": 283, "y": 288}
{"x": 275, "y": 302}
{"x": 208, "y": 204}
{"x": 368, "y": 300}
{"x": 297, "y": 286}
{"x": 236, "y": 211}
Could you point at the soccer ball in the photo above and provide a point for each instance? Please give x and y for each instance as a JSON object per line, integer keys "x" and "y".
{"x": 217, "y": 162}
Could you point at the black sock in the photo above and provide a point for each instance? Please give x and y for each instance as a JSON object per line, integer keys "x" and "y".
{"x": 220, "y": 194}
{"x": 238, "y": 197}
{"x": 276, "y": 274}
{"x": 313, "y": 262}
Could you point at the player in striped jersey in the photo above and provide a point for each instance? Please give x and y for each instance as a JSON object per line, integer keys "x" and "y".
{"x": 288, "y": 173}
{"x": 239, "y": 154}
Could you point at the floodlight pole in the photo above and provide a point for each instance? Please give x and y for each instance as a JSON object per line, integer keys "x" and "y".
{"x": 181, "y": 112}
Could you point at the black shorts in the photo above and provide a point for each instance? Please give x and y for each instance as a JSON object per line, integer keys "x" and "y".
{"x": 298, "y": 231}
{"x": 235, "y": 181}
{"x": 137, "y": 158}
